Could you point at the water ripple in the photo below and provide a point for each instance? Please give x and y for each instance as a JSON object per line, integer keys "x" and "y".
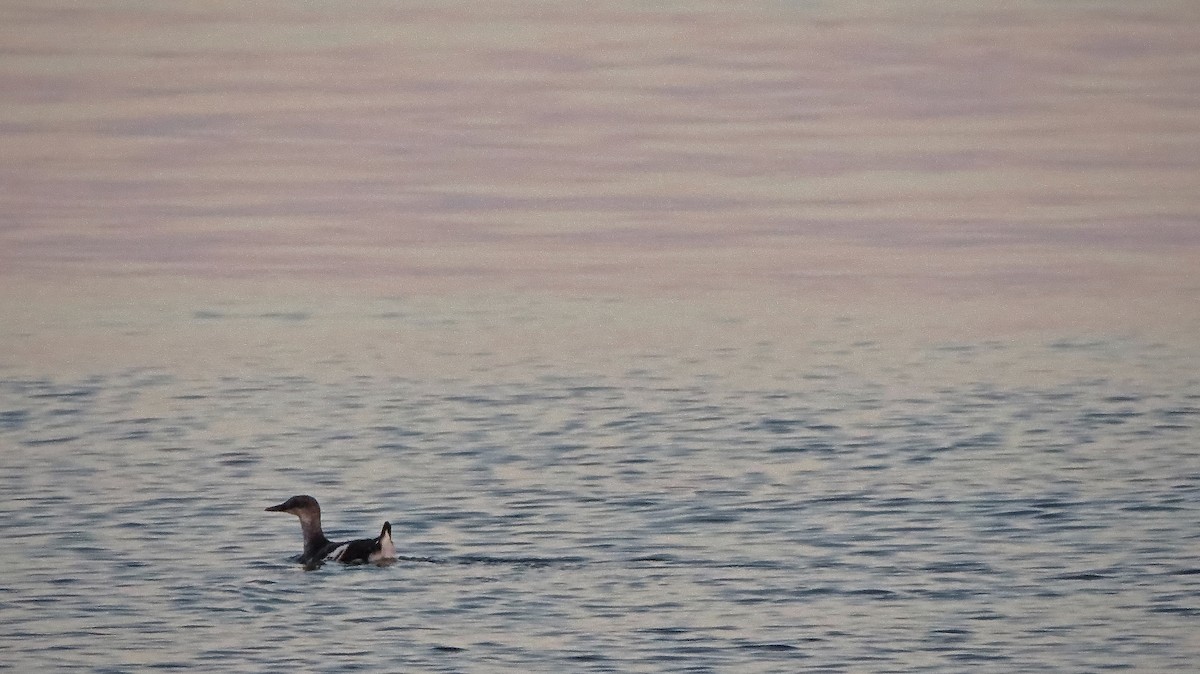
{"x": 622, "y": 525}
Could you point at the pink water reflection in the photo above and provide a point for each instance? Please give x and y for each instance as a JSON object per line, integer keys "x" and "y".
{"x": 947, "y": 167}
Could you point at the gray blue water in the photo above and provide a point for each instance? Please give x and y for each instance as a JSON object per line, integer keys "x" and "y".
{"x": 848, "y": 519}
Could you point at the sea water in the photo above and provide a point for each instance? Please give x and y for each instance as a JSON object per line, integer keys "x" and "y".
{"x": 848, "y": 519}
{"x": 670, "y": 337}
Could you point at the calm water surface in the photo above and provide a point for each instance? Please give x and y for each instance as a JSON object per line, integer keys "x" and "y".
{"x": 671, "y": 337}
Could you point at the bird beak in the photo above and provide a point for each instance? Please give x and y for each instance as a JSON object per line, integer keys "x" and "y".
{"x": 277, "y": 508}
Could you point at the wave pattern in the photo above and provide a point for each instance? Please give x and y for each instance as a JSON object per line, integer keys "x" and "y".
{"x": 622, "y": 524}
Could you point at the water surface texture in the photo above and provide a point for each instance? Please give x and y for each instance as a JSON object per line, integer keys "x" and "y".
{"x": 840, "y": 522}
{"x": 671, "y": 337}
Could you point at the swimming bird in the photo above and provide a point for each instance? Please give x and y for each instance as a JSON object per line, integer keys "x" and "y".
{"x": 318, "y": 548}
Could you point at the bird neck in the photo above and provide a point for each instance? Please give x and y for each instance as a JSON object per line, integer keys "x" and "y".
{"x": 314, "y": 537}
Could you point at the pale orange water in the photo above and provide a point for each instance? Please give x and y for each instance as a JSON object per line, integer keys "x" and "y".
{"x": 928, "y": 171}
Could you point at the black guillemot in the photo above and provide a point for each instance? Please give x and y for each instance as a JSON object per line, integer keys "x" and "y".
{"x": 318, "y": 548}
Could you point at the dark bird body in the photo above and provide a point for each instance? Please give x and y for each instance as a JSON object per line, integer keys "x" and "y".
{"x": 318, "y": 548}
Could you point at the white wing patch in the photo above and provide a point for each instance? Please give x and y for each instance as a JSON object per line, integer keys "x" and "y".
{"x": 337, "y": 553}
